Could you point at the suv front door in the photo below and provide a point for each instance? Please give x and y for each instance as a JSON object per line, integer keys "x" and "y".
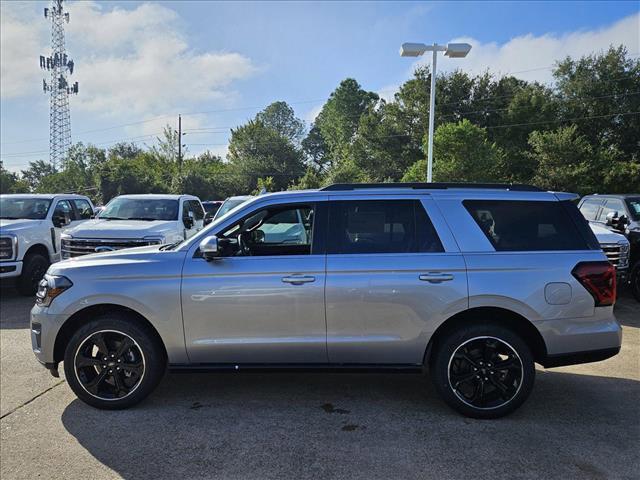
{"x": 262, "y": 300}
{"x": 391, "y": 279}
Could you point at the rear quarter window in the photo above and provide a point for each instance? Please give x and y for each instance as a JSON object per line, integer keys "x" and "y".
{"x": 528, "y": 225}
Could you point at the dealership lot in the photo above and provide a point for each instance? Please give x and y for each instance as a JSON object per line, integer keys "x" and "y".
{"x": 580, "y": 422}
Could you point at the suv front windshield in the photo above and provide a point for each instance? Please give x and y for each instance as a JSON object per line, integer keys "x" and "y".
{"x": 27, "y": 208}
{"x": 634, "y": 207}
{"x": 140, "y": 209}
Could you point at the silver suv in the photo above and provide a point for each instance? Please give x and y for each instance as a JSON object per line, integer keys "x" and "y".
{"x": 473, "y": 283}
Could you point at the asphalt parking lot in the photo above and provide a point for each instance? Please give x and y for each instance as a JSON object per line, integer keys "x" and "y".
{"x": 581, "y": 422}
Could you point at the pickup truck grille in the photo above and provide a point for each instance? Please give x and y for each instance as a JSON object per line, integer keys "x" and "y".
{"x": 618, "y": 254}
{"x": 75, "y": 247}
{"x": 6, "y": 248}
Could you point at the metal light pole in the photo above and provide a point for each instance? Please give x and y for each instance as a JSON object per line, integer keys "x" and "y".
{"x": 452, "y": 50}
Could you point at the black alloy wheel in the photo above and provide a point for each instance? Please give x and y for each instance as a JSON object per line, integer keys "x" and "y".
{"x": 485, "y": 372}
{"x": 109, "y": 365}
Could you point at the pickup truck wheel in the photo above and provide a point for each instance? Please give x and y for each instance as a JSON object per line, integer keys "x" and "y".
{"x": 634, "y": 281}
{"x": 33, "y": 269}
{"x": 483, "y": 371}
{"x": 113, "y": 362}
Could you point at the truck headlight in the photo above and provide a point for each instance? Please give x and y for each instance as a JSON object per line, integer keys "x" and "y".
{"x": 8, "y": 247}
{"x": 155, "y": 239}
{"x": 50, "y": 287}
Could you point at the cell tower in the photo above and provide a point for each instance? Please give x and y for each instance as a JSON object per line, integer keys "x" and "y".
{"x": 58, "y": 87}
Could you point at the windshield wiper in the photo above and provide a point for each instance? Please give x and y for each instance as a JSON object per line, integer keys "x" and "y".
{"x": 141, "y": 218}
{"x": 170, "y": 246}
{"x": 112, "y": 218}
{"x": 10, "y": 218}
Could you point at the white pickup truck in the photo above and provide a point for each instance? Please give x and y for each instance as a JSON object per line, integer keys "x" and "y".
{"x": 30, "y": 230}
{"x": 134, "y": 221}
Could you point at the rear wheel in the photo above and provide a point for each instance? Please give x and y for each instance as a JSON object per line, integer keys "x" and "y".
{"x": 33, "y": 269}
{"x": 114, "y": 362}
{"x": 483, "y": 371}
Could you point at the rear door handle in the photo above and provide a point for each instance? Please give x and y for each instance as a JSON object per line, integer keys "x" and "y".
{"x": 434, "y": 277}
{"x": 298, "y": 279}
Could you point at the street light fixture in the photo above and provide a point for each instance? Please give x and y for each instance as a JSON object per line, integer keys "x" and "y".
{"x": 451, "y": 50}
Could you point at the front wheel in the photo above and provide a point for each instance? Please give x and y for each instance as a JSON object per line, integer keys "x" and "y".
{"x": 33, "y": 269}
{"x": 114, "y": 362}
{"x": 483, "y": 371}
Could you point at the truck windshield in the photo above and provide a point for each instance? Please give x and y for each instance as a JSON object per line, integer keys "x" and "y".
{"x": 140, "y": 209}
{"x": 28, "y": 208}
{"x": 634, "y": 207}
{"x": 229, "y": 204}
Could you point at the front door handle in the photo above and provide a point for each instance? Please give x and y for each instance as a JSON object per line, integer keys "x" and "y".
{"x": 434, "y": 277}
{"x": 298, "y": 279}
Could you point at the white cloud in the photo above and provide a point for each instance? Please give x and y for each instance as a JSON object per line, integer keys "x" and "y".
{"x": 129, "y": 62}
{"x": 21, "y": 42}
{"x": 527, "y": 56}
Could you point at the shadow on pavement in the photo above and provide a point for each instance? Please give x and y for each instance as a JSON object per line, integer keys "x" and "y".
{"x": 361, "y": 426}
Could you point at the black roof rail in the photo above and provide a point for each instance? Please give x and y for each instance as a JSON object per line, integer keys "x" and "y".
{"x": 516, "y": 187}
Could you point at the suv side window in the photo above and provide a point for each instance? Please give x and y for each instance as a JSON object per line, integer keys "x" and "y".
{"x": 83, "y": 209}
{"x": 589, "y": 208}
{"x": 526, "y": 225}
{"x": 612, "y": 205}
{"x": 380, "y": 226}
{"x": 276, "y": 230}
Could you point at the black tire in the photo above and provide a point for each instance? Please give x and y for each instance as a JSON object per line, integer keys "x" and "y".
{"x": 33, "y": 269}
{"x": 116, "y": 386}
{"x": 482, "y": 388}
{"x": 634, "y": 281}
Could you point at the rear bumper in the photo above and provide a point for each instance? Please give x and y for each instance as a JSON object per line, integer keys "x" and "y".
{"x": 570, "y": 341}
{"x": 579, "y": 357}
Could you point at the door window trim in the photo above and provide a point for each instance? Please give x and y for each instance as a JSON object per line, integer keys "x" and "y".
{"x": 318, "y": 233}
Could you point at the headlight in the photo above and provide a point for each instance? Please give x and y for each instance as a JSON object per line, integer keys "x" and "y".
{"x": 8, "y": 247}
{"x": 155, "y": 239}
{"x": 50, "y": 287}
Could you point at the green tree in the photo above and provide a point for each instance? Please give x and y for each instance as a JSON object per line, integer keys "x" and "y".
{"x": 11, "y": 182}
{"x": 280, "y": 117}
{"x": 257, "y": 151}
{"x": 338, "y": 120}
{"x": 462, "y": 153}
{"x": 565, "y": 160}
{"x": 36, "y": 172}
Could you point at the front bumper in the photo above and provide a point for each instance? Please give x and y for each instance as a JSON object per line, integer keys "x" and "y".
{"x": 44, "y": 330}
{"x": 10, "y": 269}
{"x": 570, "y": 341}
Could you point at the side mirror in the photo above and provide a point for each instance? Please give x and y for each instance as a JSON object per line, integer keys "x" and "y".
{"x": 60, "y": 221}
{"x": 208, "y": 218}
{"x": 209, "y": 248}
{"x": 612, "y": 219}
{"x": 188, "y": 220}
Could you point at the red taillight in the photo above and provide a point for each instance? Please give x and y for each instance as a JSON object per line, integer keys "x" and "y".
{"x": 599, "y": 278}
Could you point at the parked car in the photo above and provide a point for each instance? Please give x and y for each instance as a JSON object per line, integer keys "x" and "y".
{"x": 136, "y": 220}
{"x": 615, "y": 247}
{"x": 231, "y": 203}
{"x": 30, "y": 228}
{"x": 211, "y": 206}
{"x": 620, "y": 214}
{"x": 472, "y": 283}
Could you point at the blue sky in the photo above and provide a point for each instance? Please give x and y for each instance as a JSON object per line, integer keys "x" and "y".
{"x": 139, "y": 61}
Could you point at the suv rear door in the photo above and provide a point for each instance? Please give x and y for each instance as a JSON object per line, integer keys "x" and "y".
{"x": 394, "y": 272}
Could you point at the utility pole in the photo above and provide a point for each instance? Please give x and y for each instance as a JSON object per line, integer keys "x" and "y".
{"x": 180, "y": 144}
{"x": 58, "y": 87}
